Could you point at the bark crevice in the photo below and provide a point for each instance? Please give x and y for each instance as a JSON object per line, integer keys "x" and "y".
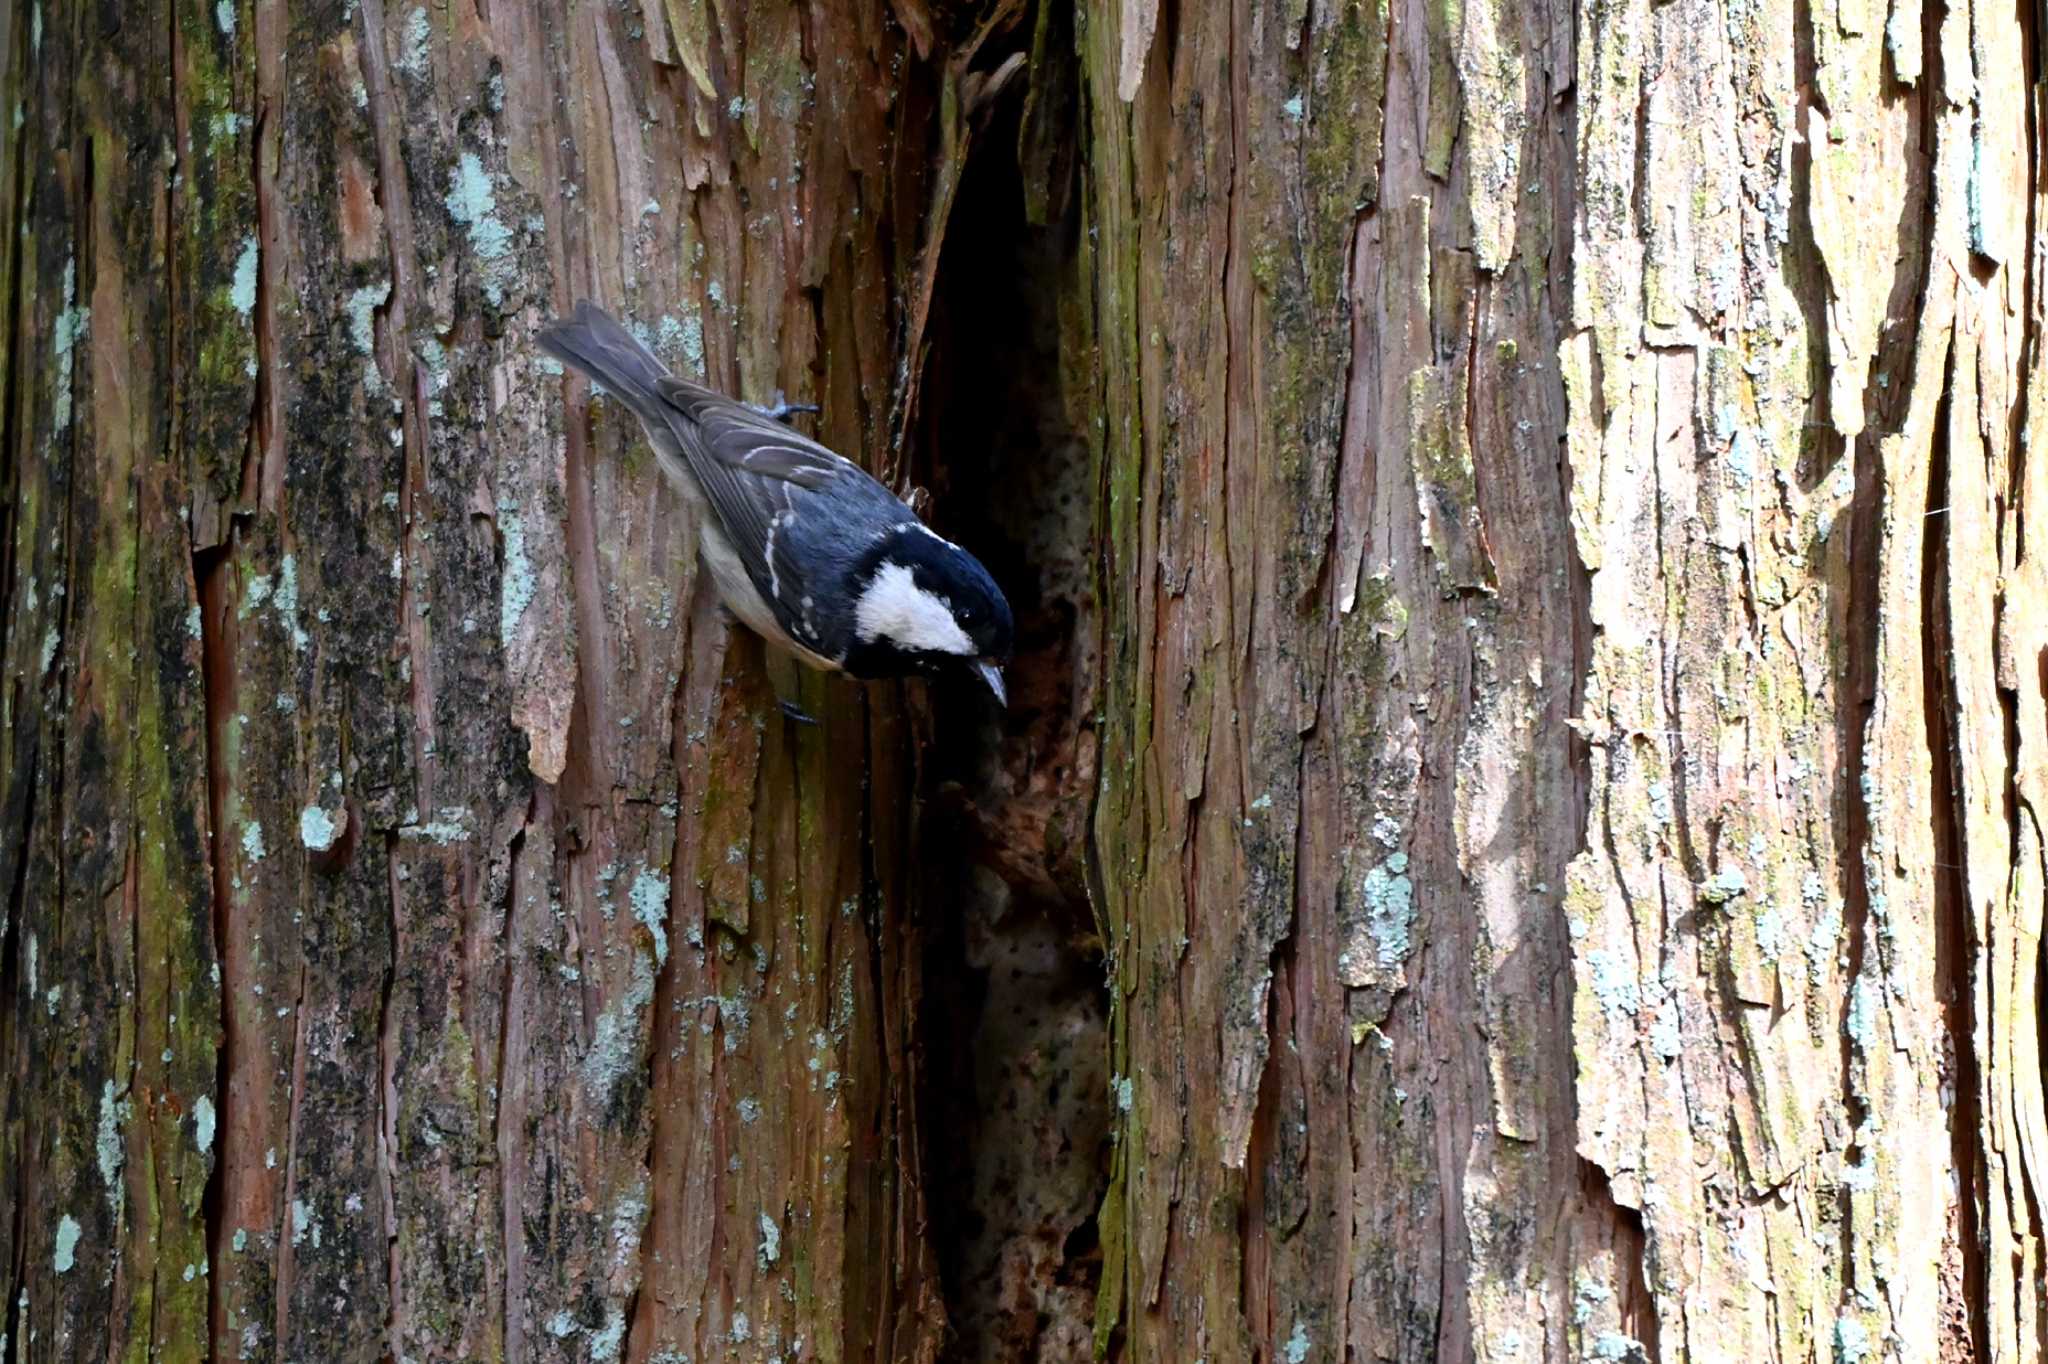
{"x": 1013, "y": 1024}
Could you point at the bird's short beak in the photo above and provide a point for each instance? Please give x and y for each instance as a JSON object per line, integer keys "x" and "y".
{"x": 992, "y": 675}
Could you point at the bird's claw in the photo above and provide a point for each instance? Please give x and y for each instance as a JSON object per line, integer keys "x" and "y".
{"x": 781, "y": 409}
{"x": 796, "y": 712}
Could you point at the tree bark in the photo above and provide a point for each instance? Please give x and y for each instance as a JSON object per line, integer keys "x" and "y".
{"x": 425, "y": 937}
{"x": 1573, "y": 679}
{"x": 1518, "y": 835}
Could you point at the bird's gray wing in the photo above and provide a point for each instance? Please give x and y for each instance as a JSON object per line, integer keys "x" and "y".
{"x": 795, "y": 514}
{"x": 788, "y": 505}
{"x": 751, "y": 441}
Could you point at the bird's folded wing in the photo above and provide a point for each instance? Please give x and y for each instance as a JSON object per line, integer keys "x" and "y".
{"x": 755, "y": 474}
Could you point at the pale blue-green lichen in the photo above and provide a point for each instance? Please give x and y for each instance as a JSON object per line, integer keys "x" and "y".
{"x": 629, "y": 1217}
{"x": 1390, "y": 909}
{"x": 252, "y": 840}
{"x": 254, "y": 595}
{"x": 66, "y": 1249}
{"x": 1873, "y": 801}
{"x": 202, "y": 1124}
{"x": 515, "y": 588}
{"x": 286, "y": 600}
{"x": 414, "y": 52}
{"x": 684, "y": 337}
{"x": 1615, "y": 1345}
{"x": 70, "y": 328}
{"x": 1742, "y": 459}
{"x": 362, "y": 308}
{"x": 1587, "y": 1295}
{"x": 649, "y": 898}
{"x": 1770, "y": 932}
{"x": 1852, "y": 1340}
{"x": 316, "y": 828}
{"x": 1297, "y": 1346}
{"x": 1821, "y": 943}
{"x": 473, "y": 202}
{"x": 434, "y": 359}
{"x": 1664, "y": 1030}
{"x": 1723, "y": 886}
{"x": 1902, "y": 39}
{"x": 452, "y": 826}
{"x": 614, "y": 1047}
{"x": 110, "y": 1148}
{"x": 304, "y": 1224}
{"x": 1862, "y": 1021}
{"x": 605, "y": 1343}
{"x": 224, "y": 15}
{"x": 750, "y": 1110}
{"x": 1614, "y": 984}
{"x": 242, "y": 291}
{"x": 771, "y": 1241}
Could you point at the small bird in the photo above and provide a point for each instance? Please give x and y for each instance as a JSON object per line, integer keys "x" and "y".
{"x": 805, "y": 547}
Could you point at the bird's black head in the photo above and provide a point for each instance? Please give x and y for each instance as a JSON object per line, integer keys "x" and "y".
{"x": 924, "y": 605}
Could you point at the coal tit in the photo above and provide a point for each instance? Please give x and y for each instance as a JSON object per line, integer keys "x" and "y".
{"x": 807, "y": 549}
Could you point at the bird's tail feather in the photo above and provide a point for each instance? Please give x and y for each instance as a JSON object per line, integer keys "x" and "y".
{"x": 592, "y": 341}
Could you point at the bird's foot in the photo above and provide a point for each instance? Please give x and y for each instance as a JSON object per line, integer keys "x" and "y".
{"x": 796, "y": 712}
{"x": 782, "y": 410}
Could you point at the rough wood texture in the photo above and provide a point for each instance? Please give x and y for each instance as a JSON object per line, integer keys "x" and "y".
{"x": 1533, "y": 687}
{"x": 1575, "y": 673}
{"x": 425, "y": 939}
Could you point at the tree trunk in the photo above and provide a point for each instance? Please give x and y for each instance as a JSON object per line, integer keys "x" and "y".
{"x": 425, "y": 938}
{"x": 1517, "y": 836}
{"x": 1574, "y": 676}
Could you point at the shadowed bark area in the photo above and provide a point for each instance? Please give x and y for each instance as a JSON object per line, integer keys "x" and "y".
{"x": 1517, "y": 835}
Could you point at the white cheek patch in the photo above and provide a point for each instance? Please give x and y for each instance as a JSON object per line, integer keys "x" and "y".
{"x": 895, "y": 608}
